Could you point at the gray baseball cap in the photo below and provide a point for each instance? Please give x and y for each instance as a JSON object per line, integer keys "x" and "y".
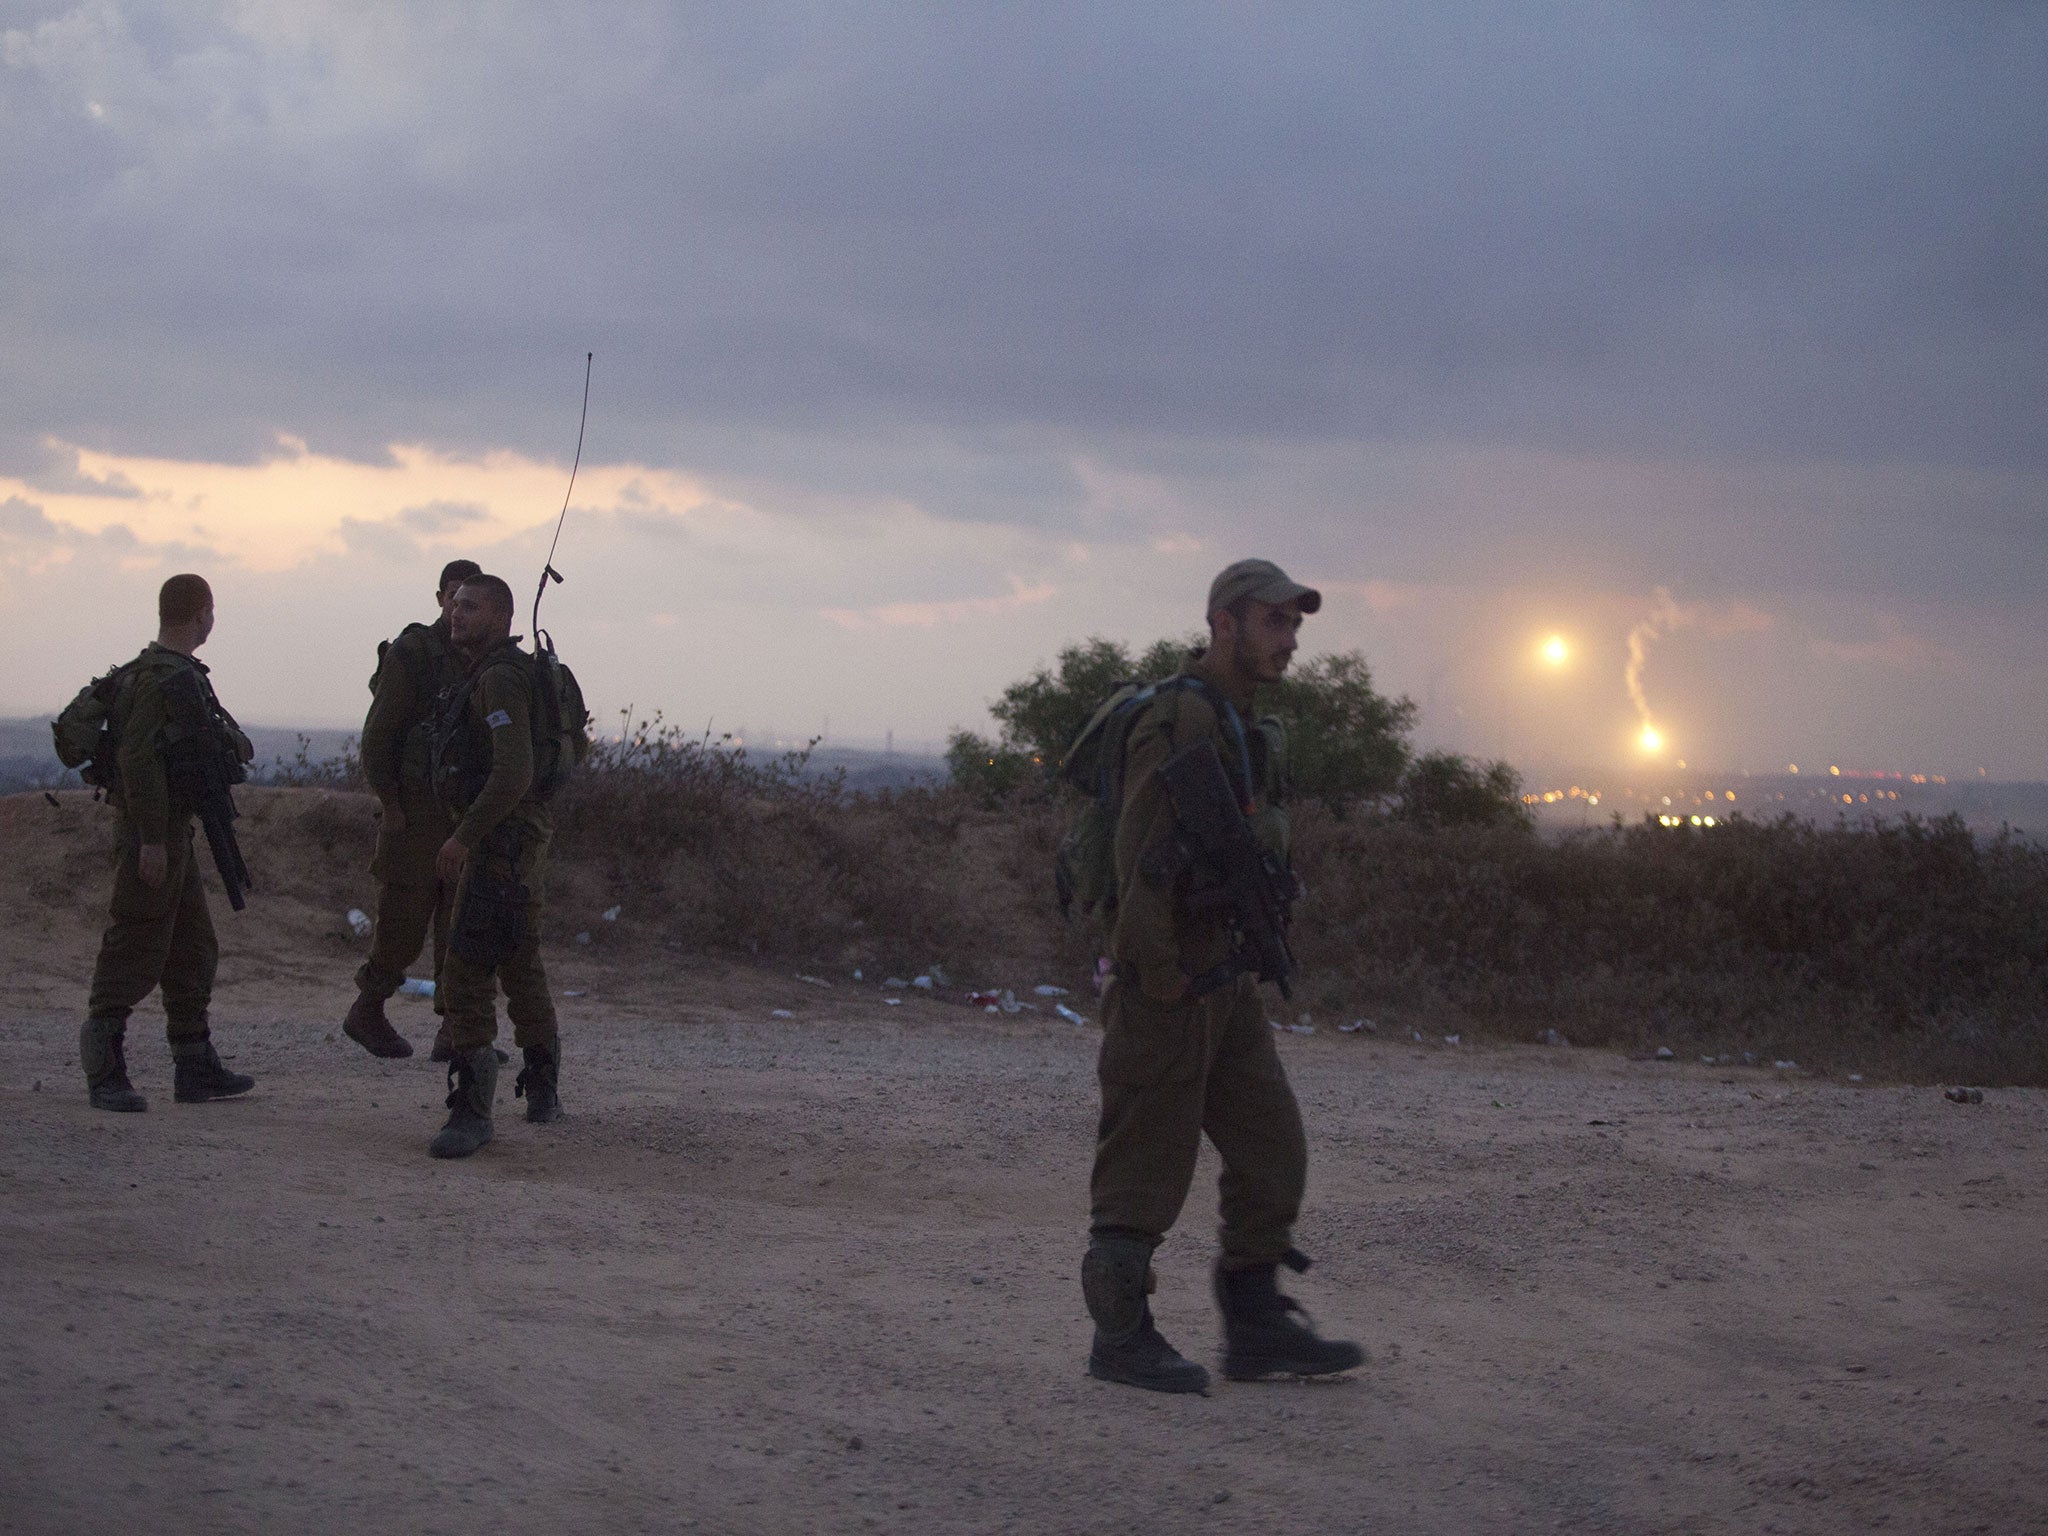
{"x": 1263, "y": 580}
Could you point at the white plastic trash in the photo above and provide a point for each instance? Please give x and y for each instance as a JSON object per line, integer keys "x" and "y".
{"x": 359, "y": 922}
{"x": 1049, "y": 991}
{"x": 1069, "y": 1015}
{"x": 611, "y": 914}
{"x": 922, "y": 981}
{"x": 413, "y": 986}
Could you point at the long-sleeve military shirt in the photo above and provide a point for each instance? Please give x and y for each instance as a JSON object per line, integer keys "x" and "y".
{"x": 1156, "y": 934}
{"x": 501, "y": 723}
{"x": 416, "y": 666}
{"x": 143, "y": 795}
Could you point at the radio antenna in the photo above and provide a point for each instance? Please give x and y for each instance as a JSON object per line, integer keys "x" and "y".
{"x": 548, "y": 572}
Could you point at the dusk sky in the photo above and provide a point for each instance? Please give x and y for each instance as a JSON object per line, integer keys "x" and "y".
{"x": 930, "y": 338}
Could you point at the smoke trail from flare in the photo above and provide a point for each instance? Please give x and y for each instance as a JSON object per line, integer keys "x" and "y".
{"x": 1665, "y": 617}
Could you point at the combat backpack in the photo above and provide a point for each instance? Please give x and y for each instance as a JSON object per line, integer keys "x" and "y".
{"x": 384, "y": 650}
{"x": 561, "y": 723}
{"x": 87, "y": 730}
{"x": 1084, "y": 867}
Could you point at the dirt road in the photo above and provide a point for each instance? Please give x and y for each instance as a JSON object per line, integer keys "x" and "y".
{"x": 818, "y": 1274}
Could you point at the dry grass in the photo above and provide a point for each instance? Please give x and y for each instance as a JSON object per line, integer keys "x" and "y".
{"x": 1914, "y": 950}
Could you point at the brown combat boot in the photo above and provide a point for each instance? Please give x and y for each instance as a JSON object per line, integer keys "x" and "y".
{"x": 369, "y": 1028}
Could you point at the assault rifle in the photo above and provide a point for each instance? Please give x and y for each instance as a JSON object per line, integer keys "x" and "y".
{"x": 201, "y": 763}
{"x": 1254, "y": 888}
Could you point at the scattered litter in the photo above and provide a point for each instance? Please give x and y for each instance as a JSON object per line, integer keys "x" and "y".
{"x": 1855, "y": 1077}
{"x": 611, "y": 914}
{"x": 1749, "y": 1058}
{"x": 780, "y": 1013}
{"x": 1706, "y": 1061}
{"x": 583, "y": 937}
{"x": 1451, "y": 1039}
{"x": 413, "y": 986}
{"x": 816, "y": 981}
{"x": 1415, "y": 1035}
{"x": 1045, "y": 989}
{"x": 1356, "y": 1025}
{"x": 1964, "y": 1095}
{"x": 924, "y": 983}
{"x": 359, "y": 922}
{"x": 1004, "y": 1001}
{"x": 1665, "y": 1053}
{"x": 1305, "y": 1018}
{"x": 856, "y": 976}
{"x": 893, "y": 1002}
{"x": 1786, "y": 1066}
{"x": 1070, "y": 1016}
{"x": 895, "y": 984}
{"x": 939, "y": 976}
{"x": 1301, "y": 1029}
{"x": 572, "y": 992}
{"x": 1551, "y": 1037}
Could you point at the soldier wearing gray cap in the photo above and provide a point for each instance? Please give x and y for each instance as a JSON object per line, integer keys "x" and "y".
{"x": 1186, "y": 1049}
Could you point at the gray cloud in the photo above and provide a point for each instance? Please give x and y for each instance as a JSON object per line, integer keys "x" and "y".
{"x": 1739, "y": 299}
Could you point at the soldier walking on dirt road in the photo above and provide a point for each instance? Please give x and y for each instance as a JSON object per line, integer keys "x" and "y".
{"x": 412, "y": 672}
{"x": 1186, "y": 1049}
{"x": 164, "y": 718}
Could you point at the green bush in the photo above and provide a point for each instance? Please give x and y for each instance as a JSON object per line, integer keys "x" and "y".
{"x": 1347, "y": 741}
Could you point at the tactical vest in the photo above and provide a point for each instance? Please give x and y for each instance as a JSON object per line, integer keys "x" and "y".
{"x": 459, "y": 748}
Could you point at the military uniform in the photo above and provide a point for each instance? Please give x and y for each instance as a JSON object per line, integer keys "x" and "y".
{"x": 506, "y": 828}
{"x": 416, "y": 669}
{"x": 160, "y": 936}
{"x": 1186, "y": 1050}
{"x": 1173, "y": 1070}
{"x": 484, "y": 774}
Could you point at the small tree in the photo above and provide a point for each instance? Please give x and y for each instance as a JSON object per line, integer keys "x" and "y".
{"x": 1443, "y": 789}
{"x": 1347, "y": 740}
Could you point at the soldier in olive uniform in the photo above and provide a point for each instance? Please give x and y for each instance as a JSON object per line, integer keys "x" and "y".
{"x": 1186, "y": 1049}
{"x": 161, "y": 935}
{"x": 495, "y": 860}
{"x": 412, "y": 672}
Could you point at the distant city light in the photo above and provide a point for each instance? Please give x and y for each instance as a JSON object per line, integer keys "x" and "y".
{"x": 1555, "y": 651}
{"x": 1652, "y": 739}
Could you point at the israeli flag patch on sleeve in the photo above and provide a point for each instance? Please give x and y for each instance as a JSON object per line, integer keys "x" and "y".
{"x": 497, "y": 718}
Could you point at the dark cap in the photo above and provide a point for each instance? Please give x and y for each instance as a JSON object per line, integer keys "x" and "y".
{"x": 1262, "y": 580}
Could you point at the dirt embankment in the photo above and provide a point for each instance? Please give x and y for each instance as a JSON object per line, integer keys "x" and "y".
{"x": 818, "y": 1272}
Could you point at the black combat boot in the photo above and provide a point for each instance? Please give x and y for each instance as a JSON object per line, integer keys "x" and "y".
{"x": 1264, "y": 1333}
{"x": 472, "y": 1088}
{"x": 1116, "y": 1274}
{"x": 198, "y": 1074}
{"x": 369, "y": 1028}
{"x": 106, "y": 1068}
{"x": 537, "y": 1083}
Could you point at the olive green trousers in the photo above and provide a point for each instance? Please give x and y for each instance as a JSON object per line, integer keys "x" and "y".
{"x": 1172, "y": 1073}
{"x": 411, "y": 902}
{"x": 159, "y": 936}
{"x": 469, "y": 992}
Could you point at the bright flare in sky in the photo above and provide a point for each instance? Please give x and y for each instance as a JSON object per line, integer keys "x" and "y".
{"x": 1652, "y": 739}
{"x": 1555, "y": 651}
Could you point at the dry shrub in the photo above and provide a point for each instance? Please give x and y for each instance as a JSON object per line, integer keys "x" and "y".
{"x": 729, "y": 852}
{"x": 1912, "y": 947}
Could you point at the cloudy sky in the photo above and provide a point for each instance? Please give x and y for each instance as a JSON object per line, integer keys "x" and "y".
{"x": 931, "y": 337}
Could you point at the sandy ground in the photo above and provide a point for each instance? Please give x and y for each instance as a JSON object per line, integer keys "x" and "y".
{"x": 818, "y": 1274}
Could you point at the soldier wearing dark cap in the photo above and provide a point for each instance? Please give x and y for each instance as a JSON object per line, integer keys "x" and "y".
{"x": 161, "y": 934}
{"x": 1186, "y": 1049}
{"x": 495, "y": 861}
{"x": 412, "y": 672}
